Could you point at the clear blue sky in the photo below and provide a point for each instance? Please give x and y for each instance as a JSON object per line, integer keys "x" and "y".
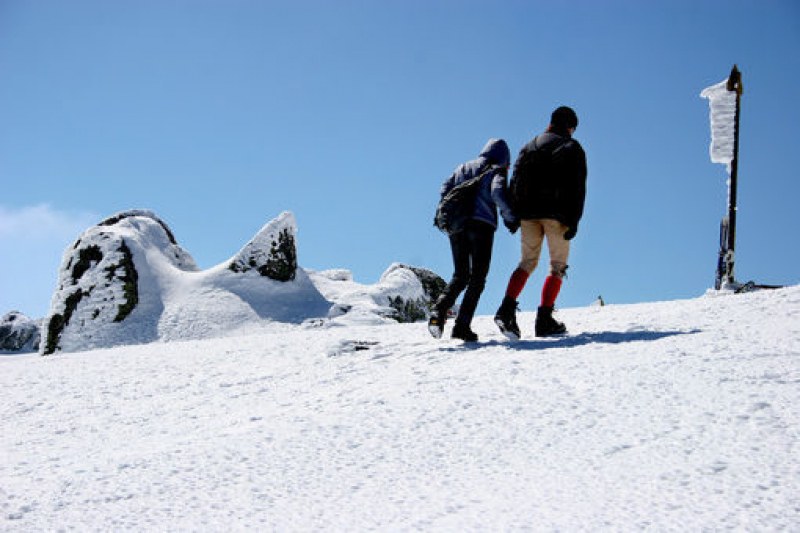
{"x": 218, "y": 115}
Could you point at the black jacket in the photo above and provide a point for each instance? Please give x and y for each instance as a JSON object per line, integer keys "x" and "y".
{"x": 558, "y": 193}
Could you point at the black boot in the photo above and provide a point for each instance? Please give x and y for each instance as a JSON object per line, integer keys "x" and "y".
{"x": 506, "y": 319}
{"x": 436, "y": 322}
{"x": 463, "y": 332}
{"x": 546, "y": 325}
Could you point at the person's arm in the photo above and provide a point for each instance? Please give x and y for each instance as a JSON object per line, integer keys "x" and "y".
{"x": 499, "y": 190}
{"x": 577, "y": 191}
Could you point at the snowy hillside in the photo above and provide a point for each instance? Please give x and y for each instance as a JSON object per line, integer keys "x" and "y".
{"x": 665, "y": 416}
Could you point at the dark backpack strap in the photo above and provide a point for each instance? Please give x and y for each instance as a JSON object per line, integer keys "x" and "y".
{"x": 483, "y": 172}
{"x": 455, "y": 208}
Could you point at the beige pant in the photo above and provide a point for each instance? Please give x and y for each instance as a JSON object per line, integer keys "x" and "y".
{"x": 533, "y": 235}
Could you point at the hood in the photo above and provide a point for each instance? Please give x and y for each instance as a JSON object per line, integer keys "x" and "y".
{"x": 496, "y": 150}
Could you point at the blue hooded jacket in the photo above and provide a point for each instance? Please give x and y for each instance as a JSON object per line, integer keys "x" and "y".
{"x": 492, "y": 190}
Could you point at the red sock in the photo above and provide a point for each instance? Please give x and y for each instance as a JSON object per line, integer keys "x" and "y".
{"x": 516, "y": 283}
{"x": 552, "y": 286}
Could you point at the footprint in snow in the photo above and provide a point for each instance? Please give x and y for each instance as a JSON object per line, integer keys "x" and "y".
{"x": 348, "y": 346}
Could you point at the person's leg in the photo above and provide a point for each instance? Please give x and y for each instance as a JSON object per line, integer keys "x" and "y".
{"x": 558, "y": 248}
{"x": 532, "y": 235}
{"x": 481, "y": 239}
{"x": 459, "y": 246}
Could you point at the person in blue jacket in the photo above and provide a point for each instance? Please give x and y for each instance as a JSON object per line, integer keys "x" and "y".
{"x": 472, "y": 247}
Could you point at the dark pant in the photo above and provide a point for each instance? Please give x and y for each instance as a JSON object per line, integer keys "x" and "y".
{"x": 472, "y": 254}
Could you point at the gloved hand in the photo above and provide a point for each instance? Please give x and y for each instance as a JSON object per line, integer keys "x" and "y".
{"x": 570, "y": 233}
{"x": 512, "y": 226}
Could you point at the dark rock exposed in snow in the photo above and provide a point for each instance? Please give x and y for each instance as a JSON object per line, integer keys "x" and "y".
{"x": 18, "y": 333}
{"x": 272, "y": 251}
{"x": 403, "y": 293}
{"x": 414, "y": 305}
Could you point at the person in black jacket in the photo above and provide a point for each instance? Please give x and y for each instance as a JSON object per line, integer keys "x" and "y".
{"x": 549, "y": 186}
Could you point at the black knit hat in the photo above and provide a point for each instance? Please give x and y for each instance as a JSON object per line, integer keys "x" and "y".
{"x": 564, "y": 118}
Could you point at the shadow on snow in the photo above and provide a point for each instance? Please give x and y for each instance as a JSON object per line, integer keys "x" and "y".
{"x": 572, "y": 341}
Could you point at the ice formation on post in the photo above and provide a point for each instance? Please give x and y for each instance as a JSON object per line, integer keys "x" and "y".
{"x": 722, "y": 104}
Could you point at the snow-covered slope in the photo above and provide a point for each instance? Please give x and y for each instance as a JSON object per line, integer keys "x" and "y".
{"x": 665, "y": 416}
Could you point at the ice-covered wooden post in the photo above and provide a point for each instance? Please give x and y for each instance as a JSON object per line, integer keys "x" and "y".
{"x": 725, "y": 102}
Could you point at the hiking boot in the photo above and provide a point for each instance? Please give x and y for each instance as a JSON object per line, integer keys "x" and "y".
{"x": 506, "y": 319}
{"x": 463, "y": 332}
{"x": 436, "y": 322}
{"x": 546, "y": 325}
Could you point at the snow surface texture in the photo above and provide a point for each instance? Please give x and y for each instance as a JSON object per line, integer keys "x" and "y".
{"x": 722, "y": 104}
{"x": 665, "y": 416}
{"x": 127, "y": 281}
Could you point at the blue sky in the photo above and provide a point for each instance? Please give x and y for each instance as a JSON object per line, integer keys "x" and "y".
{"x": 220, "y": 115}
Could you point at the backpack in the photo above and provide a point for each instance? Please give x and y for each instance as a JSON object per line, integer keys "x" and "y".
{"x": 456, "y": 207}
{"x": 534, "y": 178}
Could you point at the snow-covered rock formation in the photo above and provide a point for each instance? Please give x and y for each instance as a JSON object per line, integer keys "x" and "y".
{"x": 403, "y": 294}
{"x": 108, "y": 285}
{"x": 262, "y": 282}
{"x": 127, "y": 281}
{"x": 18, "y": 333}
{"x": 409, "y": 291}
{"x": 272, "y": 252}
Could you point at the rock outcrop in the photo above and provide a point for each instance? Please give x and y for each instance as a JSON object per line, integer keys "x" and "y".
{"x": 106, "y": 291}
{"x": 272, "y": 251}
{"x": 404, "y": 294}
{"x": 18, "y": 333}
{"x": 127, "y": 281}
{"x": 410, "y": 291}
